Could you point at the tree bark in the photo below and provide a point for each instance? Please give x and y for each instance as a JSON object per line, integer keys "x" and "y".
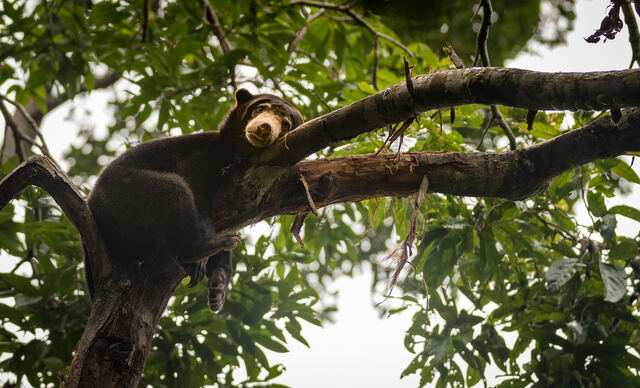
{"x": 511, "y": 175}
{"x": 489, "y": 85}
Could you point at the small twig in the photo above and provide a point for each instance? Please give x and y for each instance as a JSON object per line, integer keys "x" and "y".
{"x": 455, "y": 59}
{"x": 376, "y": 44}
{"x": 210, "y": 19}
{"x": 303, "y": 31}
{"x": 32, "y": 123}
{"x": 634, "y": 34}
{"x": 296, "y": 227}
{"x": 409, "y": 82}
{"x": 379, "y": 34}
{"x": 484, "y": 132}
{"x": 504, "y": 125}
{"x": 531, "y": 116}
{"x": 145, "y": 20}
{"x": 310, "y": 56}
{"x": 18, "y": 136}
{"x": 483, "y": 34}
{"x": 483, "y": 53}
{"x": 312, "y": 205}
{"x": 565, "y": 233}
{"x": 394, "y": 133}
{"x": 408, "y": 242}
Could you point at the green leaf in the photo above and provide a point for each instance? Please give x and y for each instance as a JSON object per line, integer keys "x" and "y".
{"x": 20, "y": 283}
{"x": 626, "y": 248}
{"x": 560, "y": 272}
{"x": 624, "y": 171}
{"x": 438, "y": 347}
{"x": 613, "y": 277}
{"x": 270, "y": 343}
{"x": 608, "y": 227}
{"x": 596, "y": 204}
{"x": 626, "y": 211}
{"x": 294, "y": 329}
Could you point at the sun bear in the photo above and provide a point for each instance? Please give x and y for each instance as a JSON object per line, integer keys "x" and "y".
{"x": 155, "y": 199}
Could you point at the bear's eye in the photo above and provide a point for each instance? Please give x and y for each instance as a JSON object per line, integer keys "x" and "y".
{"x": 260, "y": 108}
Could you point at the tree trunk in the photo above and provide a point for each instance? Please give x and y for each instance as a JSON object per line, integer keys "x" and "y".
{"x": 124, "y": 316}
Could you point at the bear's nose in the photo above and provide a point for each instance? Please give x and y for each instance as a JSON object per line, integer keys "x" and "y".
{"x": 265, "y": 128}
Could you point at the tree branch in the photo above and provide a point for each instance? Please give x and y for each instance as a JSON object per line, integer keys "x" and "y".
{"x": 634, "y": 34}
{"x": 511, "y": 87}
{"x": 125, "y": 309}
{"x": 483, "y": 53}
{"x": 210, "y": 19}
{"x": 512, "y": 175}
{"x": 43, "y": 172}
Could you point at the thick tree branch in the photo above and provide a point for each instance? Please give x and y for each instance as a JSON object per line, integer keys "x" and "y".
{"x": 511, "y": 87}
{"x": 512, "y": 175}
{"x": 43, "y": 172}
{"x": 125, "y": 309}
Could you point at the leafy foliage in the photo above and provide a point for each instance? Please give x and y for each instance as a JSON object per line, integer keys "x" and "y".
{"x": 524, "y": 286}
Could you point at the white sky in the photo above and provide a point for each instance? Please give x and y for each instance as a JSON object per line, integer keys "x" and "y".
{"x": 360, "y": 349}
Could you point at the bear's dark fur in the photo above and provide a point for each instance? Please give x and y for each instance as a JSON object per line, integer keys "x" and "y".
{"x": 155, "y": 199}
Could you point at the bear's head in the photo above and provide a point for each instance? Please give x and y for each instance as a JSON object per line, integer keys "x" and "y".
{"x": 257, "y": 121}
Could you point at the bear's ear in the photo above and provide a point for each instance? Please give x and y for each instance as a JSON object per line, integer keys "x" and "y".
{"x": 242, "y": 96}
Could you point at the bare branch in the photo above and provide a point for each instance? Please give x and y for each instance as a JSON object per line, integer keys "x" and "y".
{"x": 210, "y": 19}
{"x": 408, "y": 241}
{"x": 312, "y": 205}
{"x": 303, "y": 31}
{"x": 455, "y": 59}
{"x": 483, "y": 53}
{"x": 483, "y": 34}
{"x": 18, "y": 136}
{"x": 634, "y": 34}
{"x": 34, "y": 126}
{"x": 296, "y": 227}
{"x": 36, "y": 114}
{"x": 374, "y": 74}
{"x": 495, "y": 111}
{"x": 145, "y": 21}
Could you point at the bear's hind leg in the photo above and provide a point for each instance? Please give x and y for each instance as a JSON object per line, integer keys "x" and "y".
{"x": 210, "y": 246}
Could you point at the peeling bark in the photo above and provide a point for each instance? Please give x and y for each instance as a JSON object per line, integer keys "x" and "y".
{"x": 512, "y": 175}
